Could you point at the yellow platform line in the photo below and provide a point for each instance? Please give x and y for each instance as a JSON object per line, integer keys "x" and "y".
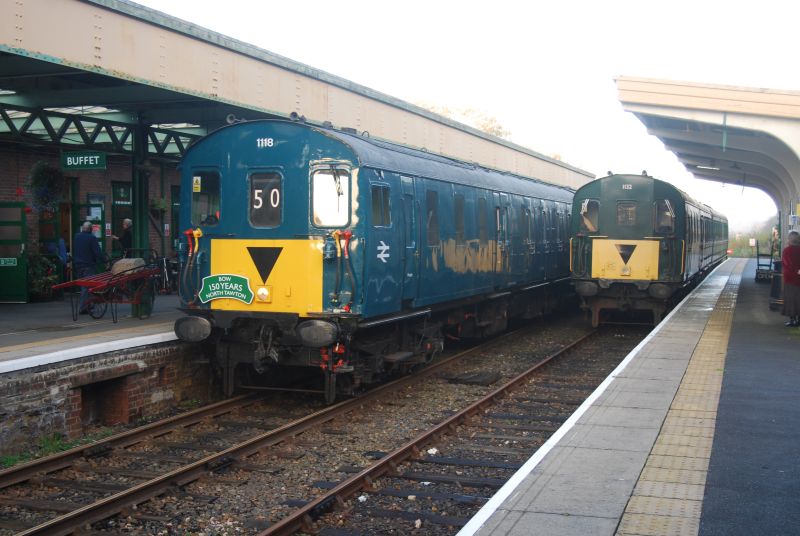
{"x": 668, "y": 497}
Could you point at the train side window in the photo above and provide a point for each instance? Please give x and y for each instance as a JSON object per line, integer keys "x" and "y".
{"x": 590, "y": 215}
{"x": 559, "y": 225}
{"x": 381, "y": 214}
{"x": 266, "y": 199}
{"x": 205, "y": 198}
{"x": 432, "y": 218}
{"x": 525, "y": 224}
{"x": 458, "y": 216}
{"x": 483, "y": 228}
{"x": 626, "y": 213}
{"x": 330, "y": 194}
{"x": 664, "y": 216}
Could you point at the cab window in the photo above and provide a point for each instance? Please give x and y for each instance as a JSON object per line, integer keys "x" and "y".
{"x": 664, "y": 217}
{"x": 266, "y": 199}
{"x": 626, "y": 213}
{"x": 205, "y": 198}
{"x": 330, "y": 195}
{"x": 590, "y": 215}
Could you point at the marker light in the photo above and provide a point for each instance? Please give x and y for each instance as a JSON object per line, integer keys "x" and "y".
{"x": 263, "y": 294}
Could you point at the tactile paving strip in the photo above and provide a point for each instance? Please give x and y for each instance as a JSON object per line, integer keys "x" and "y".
{"x": 668, "y": 498}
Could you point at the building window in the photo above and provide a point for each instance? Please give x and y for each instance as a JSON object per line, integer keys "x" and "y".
{"x": 121, "y": 209}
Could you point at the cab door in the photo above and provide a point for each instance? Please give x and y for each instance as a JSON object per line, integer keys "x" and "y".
{"x": 384, "y": 245}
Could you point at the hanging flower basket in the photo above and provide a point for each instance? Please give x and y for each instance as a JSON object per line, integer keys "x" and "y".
{"x": 47, "y": 186}
{"x": 158, "y": 205}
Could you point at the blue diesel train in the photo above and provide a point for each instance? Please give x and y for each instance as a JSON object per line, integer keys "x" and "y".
{"x": 313, "y": 247}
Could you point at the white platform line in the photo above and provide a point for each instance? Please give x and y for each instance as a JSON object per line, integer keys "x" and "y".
{"x": 84, "y": 351}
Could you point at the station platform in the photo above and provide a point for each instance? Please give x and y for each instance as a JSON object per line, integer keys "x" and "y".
{"x": 696, "y": 432}
{"x": 34, "y": 334}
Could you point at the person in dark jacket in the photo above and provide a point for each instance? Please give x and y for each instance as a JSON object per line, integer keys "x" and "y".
{"x": 126, "y": 236}
{"x": 791, "y": 279}
{"x": 85, "y": 256}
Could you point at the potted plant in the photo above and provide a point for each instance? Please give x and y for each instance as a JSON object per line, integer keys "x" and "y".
{"x": 42, "y": 275}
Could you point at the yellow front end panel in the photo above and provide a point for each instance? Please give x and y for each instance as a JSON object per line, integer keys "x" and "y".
{"x": 285, "y": 276}
{"x": 625, "y": 259}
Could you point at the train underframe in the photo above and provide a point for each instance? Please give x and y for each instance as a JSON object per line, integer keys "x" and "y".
{"x": 625, "y": 297}
{"x": 658, "y": 297}
{"x": 350, "y": 353}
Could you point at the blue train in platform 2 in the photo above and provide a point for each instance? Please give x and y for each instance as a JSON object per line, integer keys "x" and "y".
{"x": 639, "y": 243}
{"x": 309, "y": 247}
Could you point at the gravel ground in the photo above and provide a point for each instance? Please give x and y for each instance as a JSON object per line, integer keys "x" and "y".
{"x": 276, "y": 480}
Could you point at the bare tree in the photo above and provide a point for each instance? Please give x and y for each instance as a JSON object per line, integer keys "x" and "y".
{"x": 472, "y": 117}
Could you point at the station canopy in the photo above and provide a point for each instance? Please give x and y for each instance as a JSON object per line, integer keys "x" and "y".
{"x": 734, "y": 135}
{"x": 42, "y": 102}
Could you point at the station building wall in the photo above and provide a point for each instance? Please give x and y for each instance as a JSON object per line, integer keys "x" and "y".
{"x": 16, "y": 163}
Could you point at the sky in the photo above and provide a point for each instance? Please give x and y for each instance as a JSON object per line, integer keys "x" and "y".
{"x": 544, "y": 69}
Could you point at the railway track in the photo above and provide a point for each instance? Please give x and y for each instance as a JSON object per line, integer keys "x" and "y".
{"x": 434, "y": 483}
{"x": 148, "y": 479}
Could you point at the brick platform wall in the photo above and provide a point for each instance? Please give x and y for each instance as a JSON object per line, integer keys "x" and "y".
{"x": 118, "y": 387}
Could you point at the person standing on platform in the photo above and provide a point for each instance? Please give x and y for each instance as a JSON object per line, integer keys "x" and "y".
{"x": 85, "y": 256}
{"x": 126, "y": 237}
{"x": 791, "y": 279}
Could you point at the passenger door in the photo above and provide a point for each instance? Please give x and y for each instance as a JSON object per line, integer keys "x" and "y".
{"x": 537, "y": 236}
{"x": 550, "y": 240}
{"x": 502, "y": 242}
{"x": 410, "y": 240}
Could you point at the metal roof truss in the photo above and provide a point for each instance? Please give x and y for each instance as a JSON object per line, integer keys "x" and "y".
{"x": 50, "y": 127}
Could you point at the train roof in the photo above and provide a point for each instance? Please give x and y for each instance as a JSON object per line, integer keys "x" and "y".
{"x": 394, "y": 157}
{"x": 686, "y": 197}
{"x": 390, "y": 156}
